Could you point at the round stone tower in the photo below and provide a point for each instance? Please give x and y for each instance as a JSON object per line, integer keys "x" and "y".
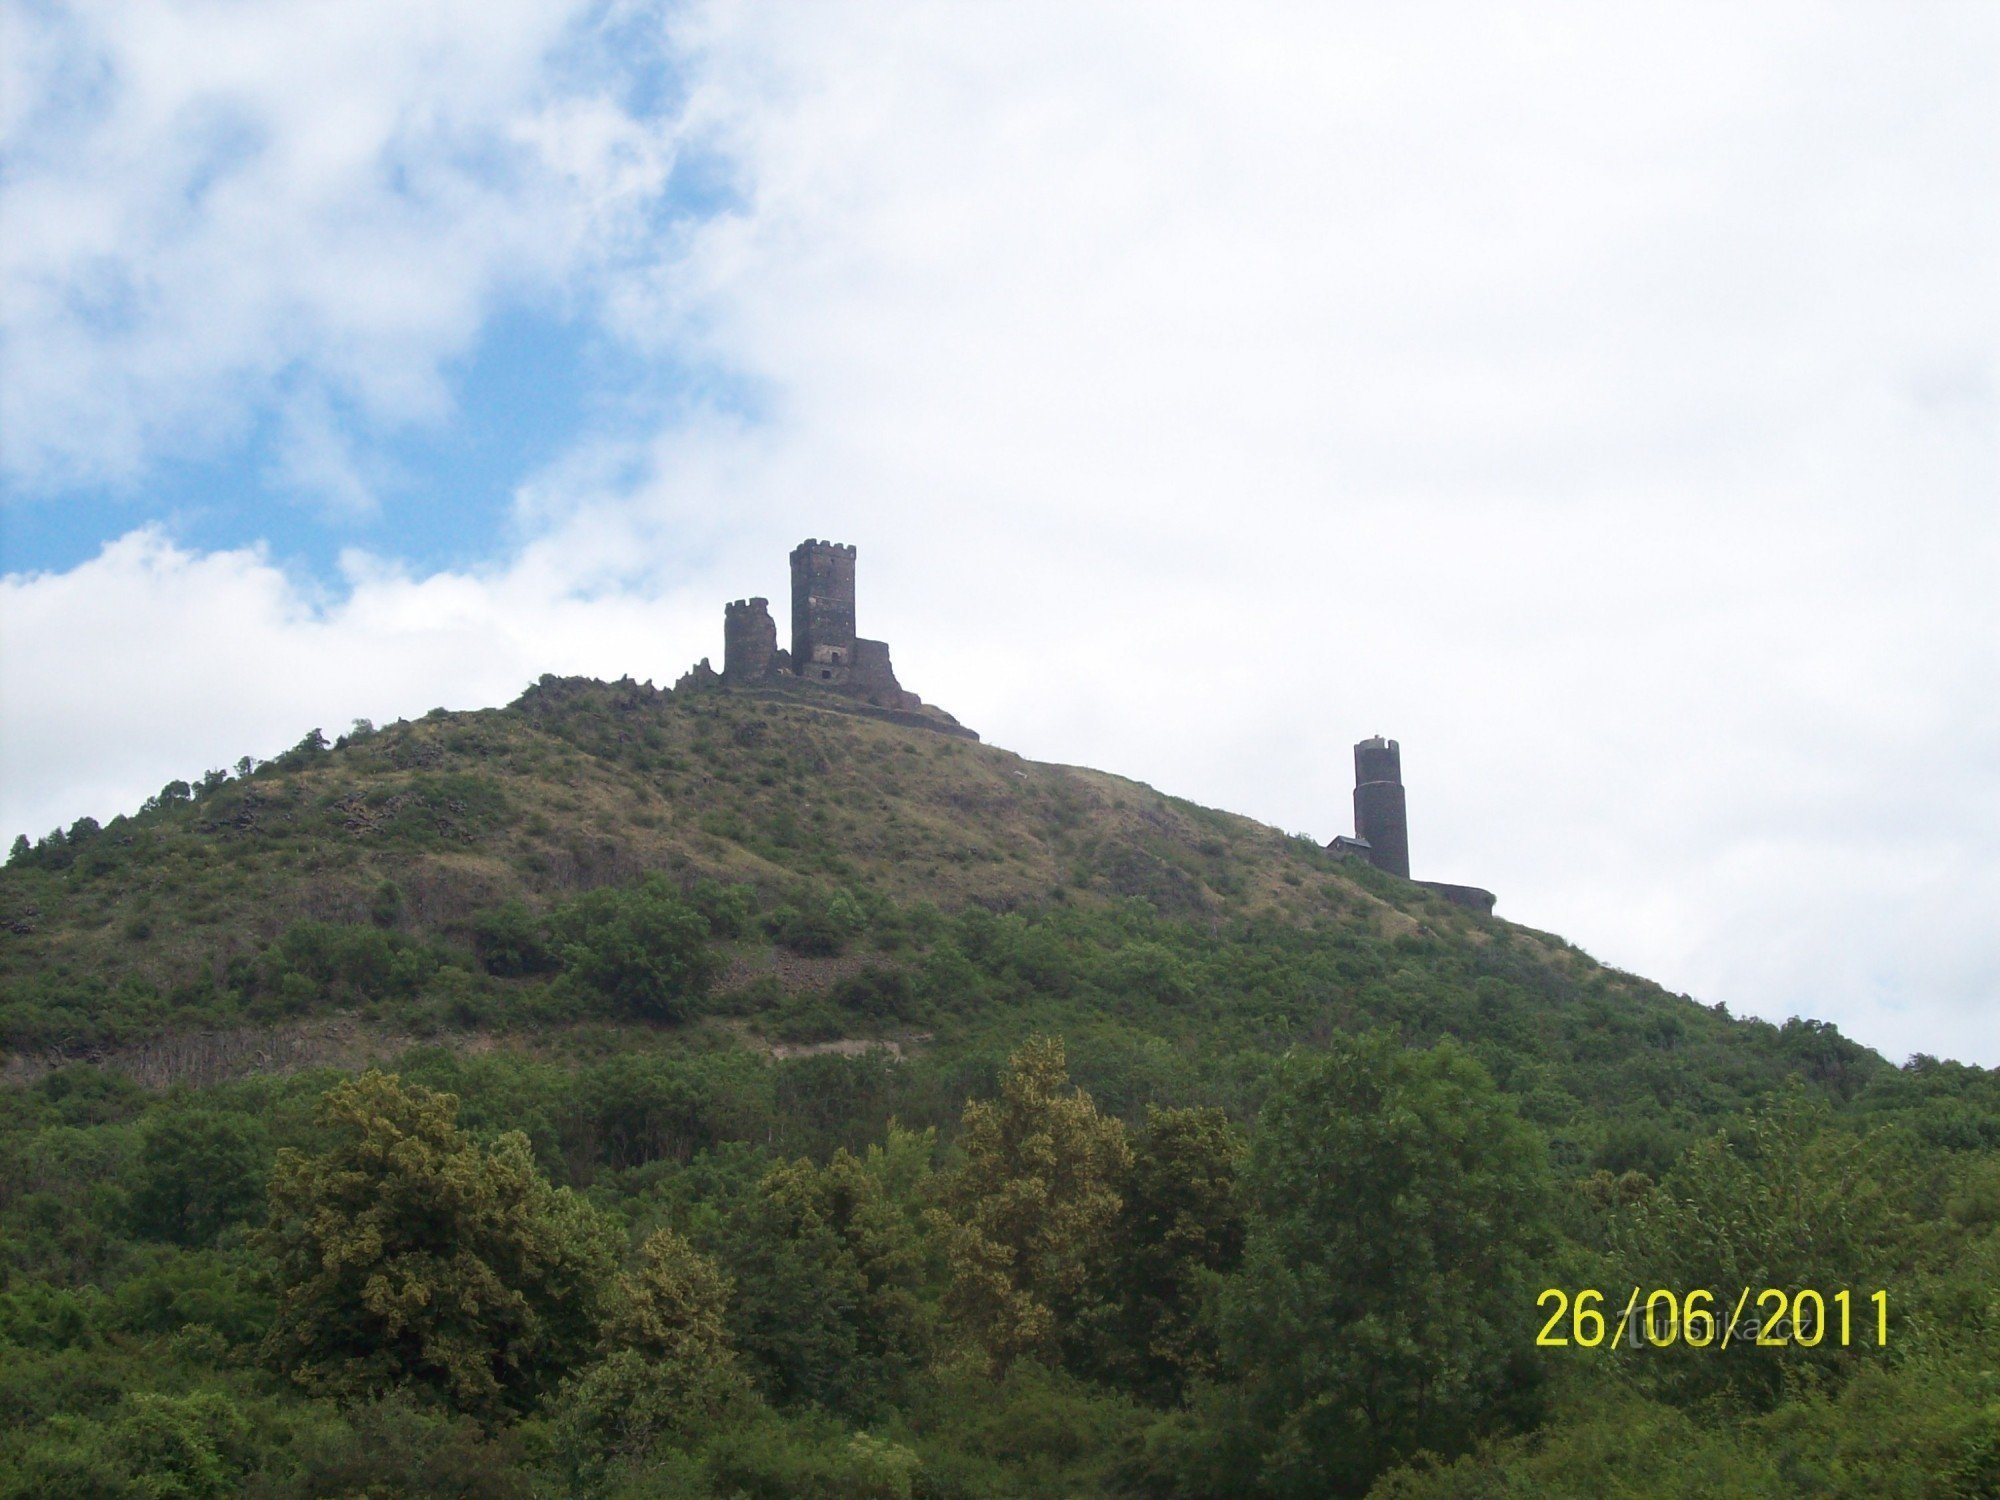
{"x": 1380, "y": 815}
{"x": 749, "y": 640}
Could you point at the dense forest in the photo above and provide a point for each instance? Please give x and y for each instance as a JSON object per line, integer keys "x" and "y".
{"x": 639, "y": 1094}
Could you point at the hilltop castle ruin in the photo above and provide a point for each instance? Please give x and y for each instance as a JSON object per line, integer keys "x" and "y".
{"x": 829, "y": 663}
{"x": 1382, "y": 823}
{"x": 826, "y": 656}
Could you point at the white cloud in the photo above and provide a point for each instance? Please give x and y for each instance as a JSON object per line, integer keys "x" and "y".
{"x": 214, "y": 206}
{"x": 150, "y": 663}
{"x": 1600, "y": 401}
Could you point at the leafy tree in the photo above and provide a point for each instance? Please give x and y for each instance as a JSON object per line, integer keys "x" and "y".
{"x": 828, "y": 1271}
{"x": 1179, "y": 1229}
{"x": 635, "y": 1109}
{"x": 1789, "y": 1199}
{"x": 669, "y": 1371}
{"x": 52, "y": 851}
{"x": 730, "y": 909}
{"x": 192, "y": 1446}
{"x": 407, "y": 1253}
{"x": 225, "y": 1292}
{"x": 1030, "y": 1207}
{"x": 831, "y": 1100}
{"x": 1384, "y": 1303}
{"x": 670, "y": 1307}
{"x": 342, "y": 959}
{"x": 642, "y": 948}
{"x": 196, "y": 1172}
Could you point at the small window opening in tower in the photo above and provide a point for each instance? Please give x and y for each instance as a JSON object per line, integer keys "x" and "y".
{"x": 827, "y": 675}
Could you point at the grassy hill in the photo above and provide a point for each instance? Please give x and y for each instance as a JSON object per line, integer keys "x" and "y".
{"x": 173, "y": 920}
{"x": 579, "y": 784}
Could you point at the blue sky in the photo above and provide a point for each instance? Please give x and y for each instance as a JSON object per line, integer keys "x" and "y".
{"x": 534, "y": 374}
{"x": 443, "y": 490}
{"x": 1600, "y": 401}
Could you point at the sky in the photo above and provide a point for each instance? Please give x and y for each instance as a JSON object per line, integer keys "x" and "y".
{"x": 1603, "y": 401}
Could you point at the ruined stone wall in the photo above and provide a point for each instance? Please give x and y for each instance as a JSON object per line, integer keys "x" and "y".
{"x": 749, "y": 640}
{"x": 1472, "y": 897}
{"x": 822, "y": 611}
{"x": 873, "y": 677}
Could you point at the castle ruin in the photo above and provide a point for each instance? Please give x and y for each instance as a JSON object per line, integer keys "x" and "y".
{"x": 1382, "y": 823}
{"x": 833, "y": 667}
{"x": 826, "y": 656}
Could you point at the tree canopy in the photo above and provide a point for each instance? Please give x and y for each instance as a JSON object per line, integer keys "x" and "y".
{"x": 406, "y": 1252}
{"x": 1030, "y": 1207}
{"x": 1384, "y": 1304}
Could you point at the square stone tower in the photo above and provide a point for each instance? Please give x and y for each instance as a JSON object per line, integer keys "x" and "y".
{"x": 823, "y": 611}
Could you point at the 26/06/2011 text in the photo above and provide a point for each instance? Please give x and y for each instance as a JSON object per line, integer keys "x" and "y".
{"x": 1775, "y": 1319}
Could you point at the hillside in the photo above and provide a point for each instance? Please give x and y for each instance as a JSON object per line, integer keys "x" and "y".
{"x": 733, "y": 965}
{"x": 159, "y": 922}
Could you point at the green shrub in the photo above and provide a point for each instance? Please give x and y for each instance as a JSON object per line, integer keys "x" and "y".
{"x": 395, "y": 1448}
{"x": 880, "y": 994}
{"x": 155, "y": 1447}
{"x": 641, "y": 950}
{"x": 818, "y": 926}
{"x": 510, "y": 941}
{"x": 731, "y": 910}
{"x": 342, "y": 961}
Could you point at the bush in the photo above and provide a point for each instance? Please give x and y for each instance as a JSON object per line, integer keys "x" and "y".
{"x": 880, "y": 995}
{"x": 819, "y": 927}
{"x": 642, "y": 950}
{"x": 225, "y": 1293}
{"x": 170, "y": 1447}
{"x": 731, "y": 910}
{"x": 511, "y": 941}
{"x": 392, "y": 1447}
{"x": 342, "y": 961}
{"x": 385, "y": 907}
